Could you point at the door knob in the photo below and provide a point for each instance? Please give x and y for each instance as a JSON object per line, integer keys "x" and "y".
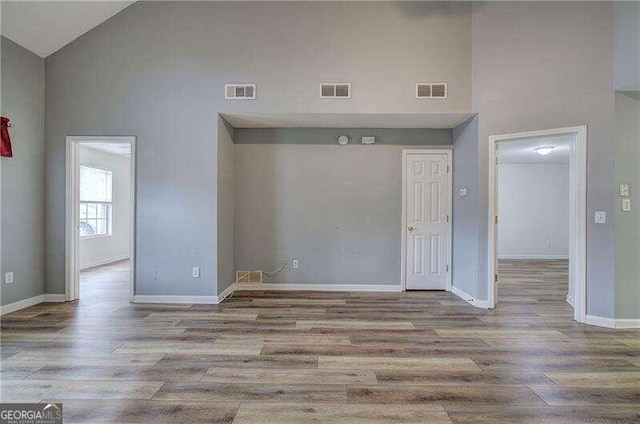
{"x": 410, "y": 228}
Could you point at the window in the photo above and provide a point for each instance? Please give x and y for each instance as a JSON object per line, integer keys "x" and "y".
{"x": 95, "y": 202}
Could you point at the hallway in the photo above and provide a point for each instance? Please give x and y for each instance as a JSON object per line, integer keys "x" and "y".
{"x": 108, "y": 283}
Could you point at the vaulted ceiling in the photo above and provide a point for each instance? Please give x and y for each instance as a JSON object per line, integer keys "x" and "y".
{"x": 46, "y": 26}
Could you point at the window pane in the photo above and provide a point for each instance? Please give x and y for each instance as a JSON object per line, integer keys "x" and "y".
{"x": 95, "y": 219}
{"x": 100, "y": 227}
{"x": 95, "y": 184}
{"x": 92, "y": 210}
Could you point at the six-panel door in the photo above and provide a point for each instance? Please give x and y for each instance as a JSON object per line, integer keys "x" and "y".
{"x": 427, "y": 217}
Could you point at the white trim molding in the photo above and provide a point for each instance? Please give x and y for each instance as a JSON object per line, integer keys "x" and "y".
{"x": 478, "y": 303}
{"x": 54, "y": 298}
{"x": 571, "y": 301}
{"x": 21, "y": 304}
{"x": 72, "y": 238}
{"x": 612, "y": 322}
{"x": 534, "y": 257}
{"x": 577, "y": 212}
{"x": 226, "y": 293}
{"x": 31, "y": 301}
{"x": 214, "y": 300}
{"x": 318, "y": 287}
{"x": 169, "y": 299}
{"x": 104, "y": 262}
{"x": 627, "y": 323}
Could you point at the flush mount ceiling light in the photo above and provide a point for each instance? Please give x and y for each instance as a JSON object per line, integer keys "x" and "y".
{"x": 544, "y": 150}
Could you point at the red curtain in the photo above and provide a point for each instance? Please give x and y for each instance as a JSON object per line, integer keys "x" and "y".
{"x": 5, "y": 148}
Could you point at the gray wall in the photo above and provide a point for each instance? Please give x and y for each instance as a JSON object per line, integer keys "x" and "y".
{"x": 465, "y": 209}
{"x": 96, "y": 251}
{"x": 384, "y": 136}
{"x": 336, "y": 209}
{"x": 157, "y": 71}
{"x": 22, "y": 195}
{"x": 626, "y": 45}
{"x": 225, "y": 205}
{"x": 533, "y": 205}
{"x": 627, "y": 247}
{"x": 538, "y": 66}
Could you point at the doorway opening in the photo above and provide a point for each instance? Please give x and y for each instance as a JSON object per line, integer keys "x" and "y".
{"x": 537, "y": 210}
{"x": 100, "y": 206}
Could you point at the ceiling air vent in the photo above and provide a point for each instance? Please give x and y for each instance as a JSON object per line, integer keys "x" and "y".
{"x": 335, "y": 90}
{"x": 239, "y": 91}
{"x": 431, "y": 90}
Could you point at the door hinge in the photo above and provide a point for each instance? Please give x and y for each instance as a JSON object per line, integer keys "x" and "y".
{"x": 495, "y": 278}
{"x": 496, "y": 160}
{"x": 447, "y": 268}
{"x": 495, "y": 220}
{"x": 448, "y": 169}
{"x": 447, "y": 218}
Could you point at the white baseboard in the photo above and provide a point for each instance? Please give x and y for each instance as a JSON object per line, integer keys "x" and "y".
{"x": 600, "y": 321}
{"x": 214, "y": 300}
{"x": 571, "y": 301}
{"x": 203, "y": 300}
{"x": 612, "y": 322}
{"x": 226, "y": 293}
{"x": 533, "y": 257}
{"x": 318, "y": 287}
{"x": 32, "y": 301}
{"x": 627, "y": 323}
{"x": 52, "y": 297}
{"x": 478, "y": 303}
{"x": 102, "y": 262}
{"x": 21, "y": 304}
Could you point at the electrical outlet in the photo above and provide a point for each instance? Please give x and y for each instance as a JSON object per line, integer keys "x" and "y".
{"x": 8, "y": 277}
{"x": 624, "y": 190}
{"x": 295, "y": 264}
{"x": 195, "y": 272}
{"x": 600, "y": 217}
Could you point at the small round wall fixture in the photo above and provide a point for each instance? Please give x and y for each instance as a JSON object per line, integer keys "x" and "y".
{"x": 343, "y": 140}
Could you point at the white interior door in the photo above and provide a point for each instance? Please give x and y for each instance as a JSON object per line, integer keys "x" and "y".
{"x": 427, "y": 211}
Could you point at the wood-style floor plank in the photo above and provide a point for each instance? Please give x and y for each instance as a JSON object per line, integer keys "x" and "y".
{"x": 283, "y": 413}
{"x": 294, "y": 376}
{"x": 324, "y": 357}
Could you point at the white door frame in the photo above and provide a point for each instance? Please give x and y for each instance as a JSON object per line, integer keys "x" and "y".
{"x": 72, "y": 236}
{"x": 577, "y": 212}
{"x": 403, "y": 255}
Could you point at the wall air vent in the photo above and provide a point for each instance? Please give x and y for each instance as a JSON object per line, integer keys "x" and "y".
{"x": 239, "y": 91}
{"x": 335, "y": 90}
{"x": 431, "y": 90}
{"x": 254, "y": 277}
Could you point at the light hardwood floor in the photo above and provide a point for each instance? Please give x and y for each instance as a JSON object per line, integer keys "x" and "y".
{"x": 318, "y": 357}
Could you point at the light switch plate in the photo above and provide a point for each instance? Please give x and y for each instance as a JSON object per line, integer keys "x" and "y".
{"x": 195, "y": 272}
{"x": 626, "y": 205}
{"x": 624, "y": 190}
{"x": 600, "y": 217}
{"x": 8, "y": 277}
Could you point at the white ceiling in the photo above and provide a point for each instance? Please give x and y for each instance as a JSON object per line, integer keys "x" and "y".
{"x": 45, "y": 26}
{"x": 347, "y": 120}
{"x": 120, "y": 149}
{"x": 521, "y": 151}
